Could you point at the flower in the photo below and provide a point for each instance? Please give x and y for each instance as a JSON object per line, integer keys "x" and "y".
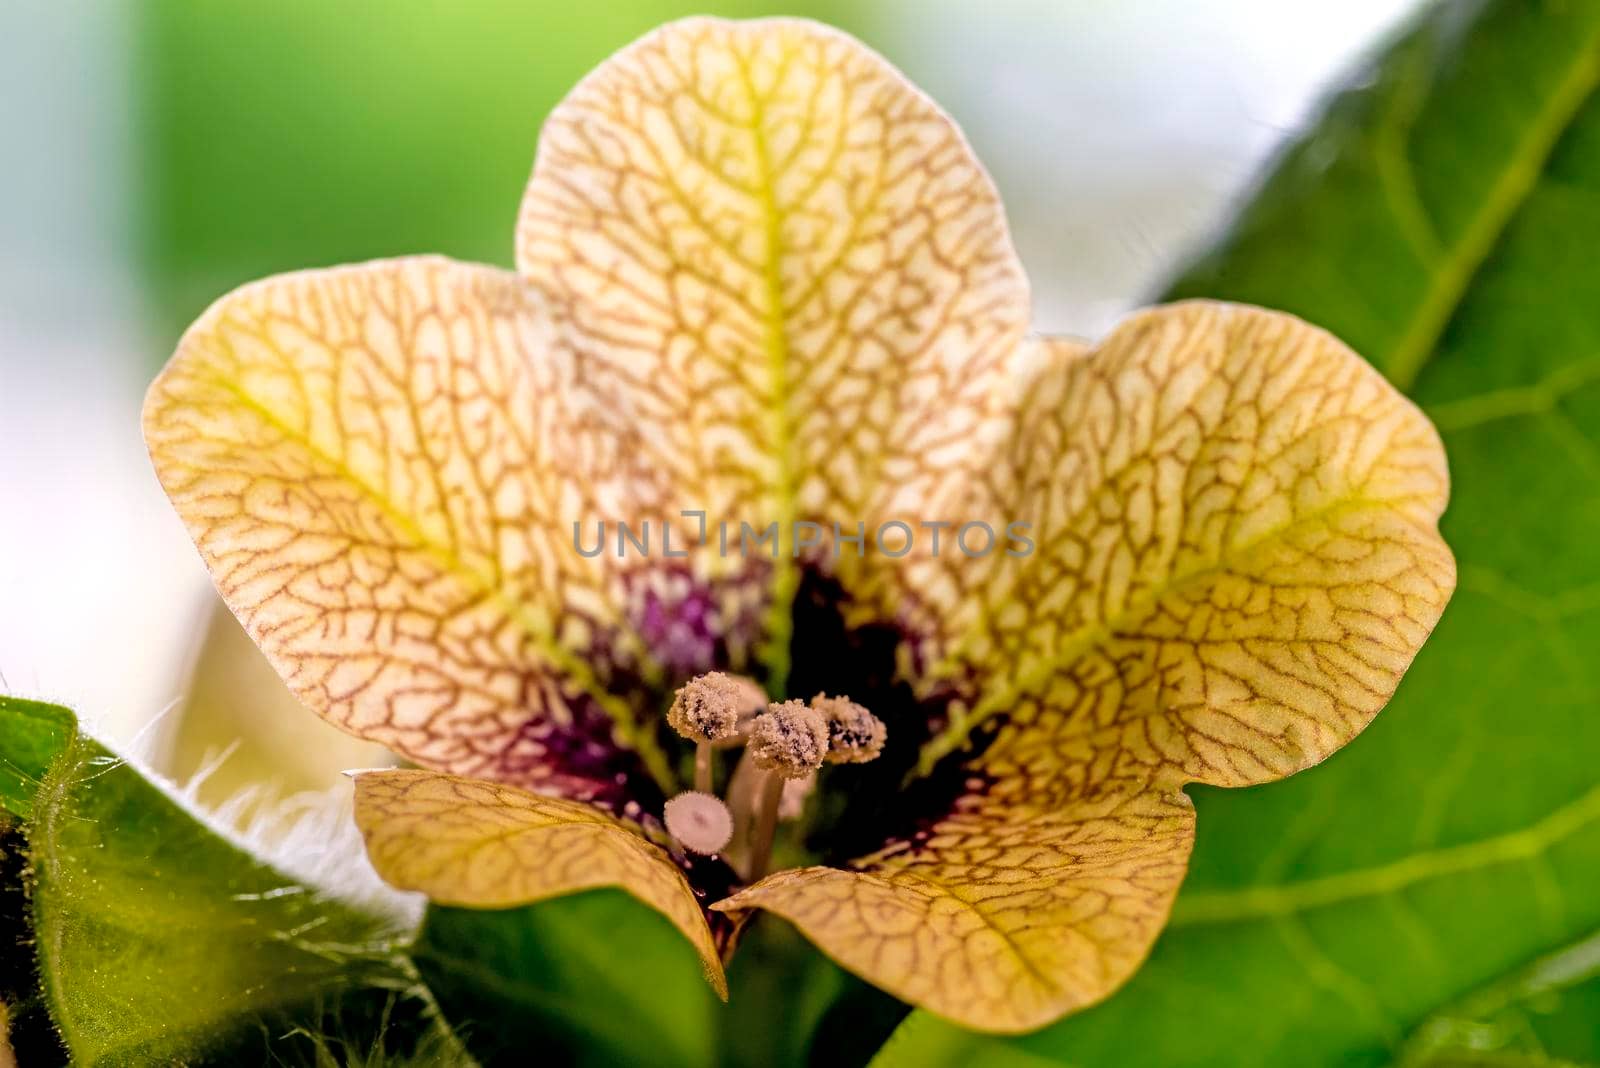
{"x": 762, "y": 280}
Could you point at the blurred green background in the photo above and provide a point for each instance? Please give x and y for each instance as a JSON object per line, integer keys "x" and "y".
{"x": 303, "y": 133}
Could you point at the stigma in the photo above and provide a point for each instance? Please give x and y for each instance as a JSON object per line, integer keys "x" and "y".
{"x": 699, "y": 822}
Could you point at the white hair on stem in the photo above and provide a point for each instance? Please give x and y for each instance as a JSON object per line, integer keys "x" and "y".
{"x": 309, "y": 836}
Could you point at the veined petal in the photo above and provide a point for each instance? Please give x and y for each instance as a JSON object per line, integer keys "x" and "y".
{"x": 1236, "y": 558}
{"x": 478, "y": 844}
{"x": 379, "y": 465}
{"x": 1009, "y": 913}
{"x": 789, "y": 263}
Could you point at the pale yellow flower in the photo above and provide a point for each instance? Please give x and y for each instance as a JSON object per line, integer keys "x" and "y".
{"x": 763, "y": 277}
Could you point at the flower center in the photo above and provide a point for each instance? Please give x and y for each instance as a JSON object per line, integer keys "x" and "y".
{"x": 784, "y": 744}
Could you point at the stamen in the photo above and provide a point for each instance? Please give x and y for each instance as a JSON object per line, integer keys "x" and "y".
{"x": 706, "y": 710}
{"x": 701, "y": 823}
{"x": 855, "y": 735}
{"x": 788, "y": 742}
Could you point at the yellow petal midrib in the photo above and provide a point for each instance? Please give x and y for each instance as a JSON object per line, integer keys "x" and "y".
{"x": 779, "y": 417}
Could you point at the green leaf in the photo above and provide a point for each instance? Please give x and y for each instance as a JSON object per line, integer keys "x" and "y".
{"x": 32, "y": 736}
{"x": 598, "y": 979}
{"x": 595, "y": 978}
{"x": 1546, "y": 1011}
{"x": 793, "y": 1007}
{"x": 24, "y": 1021}
{"x": 1442, "y": 217}
{"x": 159, "y": 939}
{"x": 35, "y": 735}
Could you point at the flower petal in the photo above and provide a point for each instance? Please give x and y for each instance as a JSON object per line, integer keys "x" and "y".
{"x": 1009, "y": 913}
{"x": 1237, "y": 557}
{"x": 378, "y": 464}
{"x": 789, "y": 262}
{"x": 477, "y": 844}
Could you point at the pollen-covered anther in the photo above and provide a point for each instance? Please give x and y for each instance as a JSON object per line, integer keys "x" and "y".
{"x": 855, "y": 735}
{"x": 752, "y": 702}
{"x": 707, "y": 708}
{"x": 790, "y": 739}
{"x": 700, "y": 822}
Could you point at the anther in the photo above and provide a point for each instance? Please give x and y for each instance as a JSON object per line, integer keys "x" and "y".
{"x": 700, "y": 822}
{"x": 855, "y": 735}
{"x": 708, "y": 709}
{"x": 752, "y": 702}
{"x": 790, "y": 739}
